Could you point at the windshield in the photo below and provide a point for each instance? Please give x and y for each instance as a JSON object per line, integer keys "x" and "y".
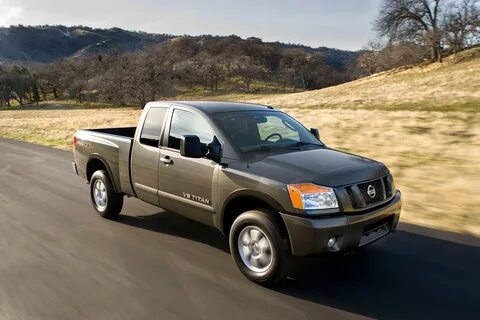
{"x": 264, "y": 130}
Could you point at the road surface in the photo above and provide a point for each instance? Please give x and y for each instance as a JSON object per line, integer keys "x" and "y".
{"x": 59, "y": 260}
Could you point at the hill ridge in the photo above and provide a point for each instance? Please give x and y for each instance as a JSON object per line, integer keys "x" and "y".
{"x": 453, "y": 85}
{"x": 45, "y": 44}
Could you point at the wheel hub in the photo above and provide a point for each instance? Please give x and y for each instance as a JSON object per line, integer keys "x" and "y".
{"x": 100, "y": 194}
{"x": 255, "y": 249}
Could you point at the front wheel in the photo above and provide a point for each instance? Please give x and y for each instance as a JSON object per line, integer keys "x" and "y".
{"x": 259, "y": 247}
{"x": 105, "y": 201}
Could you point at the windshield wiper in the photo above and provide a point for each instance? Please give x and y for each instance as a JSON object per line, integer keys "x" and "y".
{"x": 303, "y": 143}
{"x": 272, "y": 147}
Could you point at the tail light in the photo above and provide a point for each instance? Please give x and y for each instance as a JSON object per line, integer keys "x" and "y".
{"x": 75, "y": 141}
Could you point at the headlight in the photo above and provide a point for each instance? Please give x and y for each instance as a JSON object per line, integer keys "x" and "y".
{"x": 308, "y": 196}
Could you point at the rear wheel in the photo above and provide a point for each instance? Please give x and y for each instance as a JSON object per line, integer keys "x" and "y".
{"x": 259, "y": 247}
{"x": 104, "y": 199}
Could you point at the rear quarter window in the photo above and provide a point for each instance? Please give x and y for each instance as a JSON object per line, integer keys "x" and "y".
{"x": 152, "y": 128}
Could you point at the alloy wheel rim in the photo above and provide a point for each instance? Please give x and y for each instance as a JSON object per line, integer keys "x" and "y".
{"x": 255, "y": 249}
{"x": 100, "y": 195}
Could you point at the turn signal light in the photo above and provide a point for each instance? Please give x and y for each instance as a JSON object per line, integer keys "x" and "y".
{"x": 308, "y": 196}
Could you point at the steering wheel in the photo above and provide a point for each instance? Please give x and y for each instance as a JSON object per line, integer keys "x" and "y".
{"x": 274, "y": 135}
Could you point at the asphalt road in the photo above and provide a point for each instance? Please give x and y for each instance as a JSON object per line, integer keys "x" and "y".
{"x": 59, "y": 260}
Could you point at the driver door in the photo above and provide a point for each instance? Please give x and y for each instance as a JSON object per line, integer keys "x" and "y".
{"x": 186, "y": 185}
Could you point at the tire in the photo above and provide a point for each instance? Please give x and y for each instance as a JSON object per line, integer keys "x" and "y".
{"x": 105, "y": 201}
{"x": 259, "y": 267}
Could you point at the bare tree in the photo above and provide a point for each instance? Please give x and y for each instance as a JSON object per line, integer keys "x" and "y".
{"x": 462, "y": 24}
{"x": 317, "y": 73}
{"x": 49, "y": 79}
{"x": 412, "y": 20}
{"x": 6, "y": 89}
{"x": 293, "y": 65}
{"x": 186, "y": 72}
{"x": 247, "y": 70}
{"x": 147, "y": 75}
{"x": 369, "y": 59}
{"x": 210, "y": 69}
{"x": 20, "y": 83}
{"x": 112, "y": 82}
{"x": 378, "y": 58}
{"x": 216, "y": 70}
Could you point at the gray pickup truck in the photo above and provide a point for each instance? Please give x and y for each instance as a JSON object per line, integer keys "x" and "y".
{"x": 251, "y": 171}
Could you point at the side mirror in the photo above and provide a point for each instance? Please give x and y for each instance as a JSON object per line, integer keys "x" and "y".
{"x": 191, "y": 147}
{"x": 215, "y": 150}
{"x": 315, "y": 133}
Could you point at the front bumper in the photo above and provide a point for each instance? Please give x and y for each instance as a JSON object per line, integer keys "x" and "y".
{"x": 309, "y": 236}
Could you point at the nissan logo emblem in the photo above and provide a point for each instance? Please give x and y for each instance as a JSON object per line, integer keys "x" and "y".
{"x": 371, "y": 191}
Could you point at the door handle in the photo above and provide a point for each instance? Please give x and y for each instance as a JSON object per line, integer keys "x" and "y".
{"x": 166, "y": 160}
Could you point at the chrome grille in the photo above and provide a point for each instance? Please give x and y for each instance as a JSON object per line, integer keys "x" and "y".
{"x": 370, "y": 193}
{"x": 377, "y": 194}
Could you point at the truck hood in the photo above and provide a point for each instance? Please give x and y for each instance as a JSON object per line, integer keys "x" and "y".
{"x": 324, "y": 166}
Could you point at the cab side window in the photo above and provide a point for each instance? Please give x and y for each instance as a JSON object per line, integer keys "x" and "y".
{"x": 152, "y": 128}
{"x": 188, "y": 123}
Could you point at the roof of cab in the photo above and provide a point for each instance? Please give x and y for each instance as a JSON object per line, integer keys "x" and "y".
{"x": 216, "y": 106}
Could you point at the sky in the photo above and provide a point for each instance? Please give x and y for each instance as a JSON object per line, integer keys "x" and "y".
{"x": 343, "y": 24}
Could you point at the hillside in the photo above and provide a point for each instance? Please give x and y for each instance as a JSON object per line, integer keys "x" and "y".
{"x": 453, "y": 85}
{"x": 49, "y": 43}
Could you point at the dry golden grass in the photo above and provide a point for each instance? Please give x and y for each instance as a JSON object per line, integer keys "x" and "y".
{"x": 422, "y": 122}
{"x": 56, "y": 127}
{"x": 434, "y": 157}
{"x": 451, "y": 86}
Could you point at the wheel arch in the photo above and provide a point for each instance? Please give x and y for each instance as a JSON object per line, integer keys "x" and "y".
{"x": 243, "y": 200}
{"x": 96, "y": 162}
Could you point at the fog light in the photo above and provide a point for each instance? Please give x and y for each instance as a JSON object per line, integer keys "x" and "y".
{"x": 331, "y": 242}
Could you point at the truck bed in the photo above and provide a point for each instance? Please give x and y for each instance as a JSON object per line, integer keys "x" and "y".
{"x": 128, "y": 132}
{"x": 113, "y": 146}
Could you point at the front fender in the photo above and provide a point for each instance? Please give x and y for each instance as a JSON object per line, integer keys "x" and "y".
{"x": 247, "y": 193}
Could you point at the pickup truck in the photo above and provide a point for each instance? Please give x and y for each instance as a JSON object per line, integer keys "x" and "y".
{"x": 251, "y": 171}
